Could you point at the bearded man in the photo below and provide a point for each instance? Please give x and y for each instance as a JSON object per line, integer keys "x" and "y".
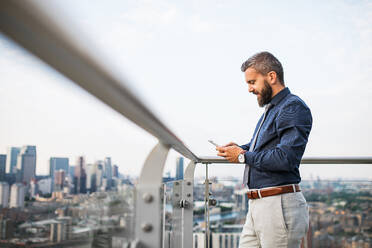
{"x": 278, "y": 214}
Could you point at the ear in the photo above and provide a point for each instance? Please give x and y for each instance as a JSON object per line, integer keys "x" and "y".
{"x": 271, "y": 77}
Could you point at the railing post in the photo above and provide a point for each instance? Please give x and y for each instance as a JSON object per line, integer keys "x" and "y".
{"x": 188, "y": 198}
{"x": 148, "y": 225}
{"x": 177, "y": 213}
{"x": 206, "y": 208}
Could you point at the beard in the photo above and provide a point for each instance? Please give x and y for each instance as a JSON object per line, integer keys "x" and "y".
{"x": 265, "y": 95}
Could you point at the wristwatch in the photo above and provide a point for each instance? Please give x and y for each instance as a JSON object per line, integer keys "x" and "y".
{"x": 241, "y": 158}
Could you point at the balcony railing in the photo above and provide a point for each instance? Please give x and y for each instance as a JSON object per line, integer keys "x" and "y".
{"x": 29, "y": 24}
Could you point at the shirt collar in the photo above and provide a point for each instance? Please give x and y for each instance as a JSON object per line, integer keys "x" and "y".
{"x": 278, "y": 97}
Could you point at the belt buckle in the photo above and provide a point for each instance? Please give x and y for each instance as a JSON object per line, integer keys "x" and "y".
{"x": 252, "y": 196}
{"x": 294, "y": 188}
{"x": 259, "y": 193}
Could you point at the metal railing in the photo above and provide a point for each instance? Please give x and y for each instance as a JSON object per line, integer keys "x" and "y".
{"x": 29, "y": 24}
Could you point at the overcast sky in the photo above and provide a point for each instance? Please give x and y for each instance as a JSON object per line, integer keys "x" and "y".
{"x": 183, "y": 58}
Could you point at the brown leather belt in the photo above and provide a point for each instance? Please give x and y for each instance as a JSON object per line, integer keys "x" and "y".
{"x": 260, "y": 193}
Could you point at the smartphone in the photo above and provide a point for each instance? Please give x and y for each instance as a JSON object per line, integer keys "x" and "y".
{"x": 211, "y": 141}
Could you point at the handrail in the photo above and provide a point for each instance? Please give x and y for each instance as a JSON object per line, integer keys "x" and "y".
{"x": 305, "y": 160}
{"x": 31, "y": 25}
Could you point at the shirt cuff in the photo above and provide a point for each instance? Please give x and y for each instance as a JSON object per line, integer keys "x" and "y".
{"x": 244, "y": 147}
{"x": 249, "y": 157}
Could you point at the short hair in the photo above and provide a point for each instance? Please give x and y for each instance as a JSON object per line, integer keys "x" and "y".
{"x": 264, "y": 62}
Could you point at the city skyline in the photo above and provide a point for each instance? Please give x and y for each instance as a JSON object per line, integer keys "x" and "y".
{"x": 71, "y": 172}
{"x": 184, "y": 61}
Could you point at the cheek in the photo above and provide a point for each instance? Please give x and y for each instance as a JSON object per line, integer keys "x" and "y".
{"x": 257, "y": 90}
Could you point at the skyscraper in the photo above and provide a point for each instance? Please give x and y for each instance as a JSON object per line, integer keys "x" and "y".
{"x": 26, "y": 164}
{"x": 2, "y": 166}
{"x": 17, "y": 196}
{"x": 59, "y": 180}
{"x": 56, "y": 164}
{"x": 80, "y": 177}
{"x": 4, "y": 195}
{"x": 108, "y": 172}
{"x": 179, "y": 168}
{"x": 7, "y": 227}
{"x": 71, "y": 172}
{"x": 92, "y": 178}
{"x": 99, "y": 174}
{"x": 115, "y": 171}
{"x": 34, "y": 188}
{"x": 11, "y": 163}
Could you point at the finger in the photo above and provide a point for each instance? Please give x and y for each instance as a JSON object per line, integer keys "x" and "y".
{"x": 230, "y": 144}
{"x": 220, "y": 148}
{"x": 222, "y": 154}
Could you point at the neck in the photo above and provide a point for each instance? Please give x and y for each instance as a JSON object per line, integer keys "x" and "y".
{"x": 276, "y": 89}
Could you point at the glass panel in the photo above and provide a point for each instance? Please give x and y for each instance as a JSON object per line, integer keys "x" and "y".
{"x": 172, "y": 214}
{"x": 340, "y": 211}
{"x": 226, "y": 217}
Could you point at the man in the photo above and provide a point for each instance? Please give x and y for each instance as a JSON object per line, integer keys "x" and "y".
{"x": 278, "y": 214}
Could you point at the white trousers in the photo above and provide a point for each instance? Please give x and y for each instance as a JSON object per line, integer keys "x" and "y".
{"x": 276, "y": 221}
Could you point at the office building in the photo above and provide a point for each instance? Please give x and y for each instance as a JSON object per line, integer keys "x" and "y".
{"x": 11, "y": 163}
{"x": 92, "y": 178}
{"x": 26, "y": 164}
{"x": 108, "y": 172}
{"x": 56, "y": 164}
{"x": 241, "y": 200}
{"x": 71, "y": 172}
{"x": 99, "y": 174}
{"x": 179, "y": 168}
{"x": 34, "y": 188}
{"x": 2, "y": 167}
{"x": 7, "y": 228}
{"x": 59, "y": 180}
{"x": 17, "y": 195}
{"x": 115, "y": 171}
{"x": 4, "y": 195}
{"x": 65, "y": 228}
{"x": 45, "y": 185}
{"x": 80, "y": 177}
{"x": 57, "y": 233}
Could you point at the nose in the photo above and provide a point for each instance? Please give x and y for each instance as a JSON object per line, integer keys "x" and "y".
{"x": 250, "y": 89}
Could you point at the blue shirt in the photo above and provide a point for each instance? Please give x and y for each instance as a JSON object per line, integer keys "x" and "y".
{"x": 280, "y": 144}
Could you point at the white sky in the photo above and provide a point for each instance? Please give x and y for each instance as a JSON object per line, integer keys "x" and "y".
{"x": 183, "y": 58}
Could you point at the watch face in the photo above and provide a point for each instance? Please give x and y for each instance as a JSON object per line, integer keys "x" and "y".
{"x": 241, "y": 158}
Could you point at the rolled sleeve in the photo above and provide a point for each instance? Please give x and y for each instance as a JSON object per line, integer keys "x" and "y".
{"x": 249, "y": 157}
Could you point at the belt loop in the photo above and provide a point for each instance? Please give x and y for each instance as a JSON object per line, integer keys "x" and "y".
{"x": 259, "y": 193}
{"x": 294, "y": 188}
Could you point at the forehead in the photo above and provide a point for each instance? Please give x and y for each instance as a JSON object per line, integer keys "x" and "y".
{"x": 251, "y": 74}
